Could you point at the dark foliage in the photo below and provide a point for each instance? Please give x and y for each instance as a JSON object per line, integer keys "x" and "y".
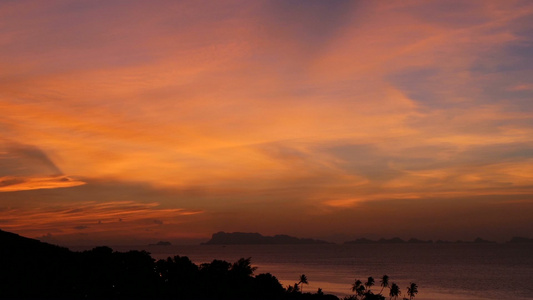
{"x": 363, "y": 291}
{"x": 35, "y": 270}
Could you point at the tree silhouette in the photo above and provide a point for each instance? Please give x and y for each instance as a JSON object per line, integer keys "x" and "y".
{"x": 267, "y": 286}
{"x": 384, "y": 283}
{"x": 303, "y": 280}
{"x": 369, "y": 283}
{"x": 34, "y": 270}
{"x": 412, "y": 290}
{"x": 363, "y": 292}
{"x": 243, "y": 267}
{"x": 394, "y": 291}
{"x": 358, "y": 288}
{"x": 293, "y": 289}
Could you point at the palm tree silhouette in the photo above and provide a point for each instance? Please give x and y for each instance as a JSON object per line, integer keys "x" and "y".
{"x": 384, "y": 283}
{"x": 356, "y": 285}
{"x": 292, "y": 289}
{"x": 369, "y": 283}
{"x": 243, "y": 267}
{"x": 358, "y": 288}
{"x": 412, "y": 290}
{"x": 303, "y": 280}
{"x": 394, "y": 291}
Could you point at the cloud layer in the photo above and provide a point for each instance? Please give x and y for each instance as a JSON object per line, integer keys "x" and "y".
{"x": 237, "y": 107}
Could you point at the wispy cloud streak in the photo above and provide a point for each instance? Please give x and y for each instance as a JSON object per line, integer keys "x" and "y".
{"x": 91, "y": 217}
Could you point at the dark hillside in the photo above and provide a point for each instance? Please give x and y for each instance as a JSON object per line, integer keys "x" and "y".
{"x": 30, "y": 269}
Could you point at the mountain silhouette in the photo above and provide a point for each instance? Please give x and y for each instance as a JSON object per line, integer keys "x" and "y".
{"x": 520, "y": 240}
{"x": 246, "y": 238}
{"x": 395, "y": 240}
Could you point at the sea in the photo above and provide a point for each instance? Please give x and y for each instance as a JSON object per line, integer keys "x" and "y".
{"x": 457, "y": 271}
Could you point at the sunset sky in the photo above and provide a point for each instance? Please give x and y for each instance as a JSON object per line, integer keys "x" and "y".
{"x": 127, "y": 122}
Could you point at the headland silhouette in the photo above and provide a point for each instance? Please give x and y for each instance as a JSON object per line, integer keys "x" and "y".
{"x": 249, "y": 238}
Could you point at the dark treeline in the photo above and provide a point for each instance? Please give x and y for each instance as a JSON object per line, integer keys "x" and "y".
{"x": 31, "y": 269}
{"x": 363, "y": 291}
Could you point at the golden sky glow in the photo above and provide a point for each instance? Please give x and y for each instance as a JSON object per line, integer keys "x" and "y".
{"x": 328, "y": 119}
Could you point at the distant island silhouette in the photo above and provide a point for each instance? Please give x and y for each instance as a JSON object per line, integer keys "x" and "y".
{"x": 520, "y": 240}
{"x": 247, "y": 238}
{"x": 254, "y": 238}
{"x": 397, "y": 240}
{"x": 161, "y": 243}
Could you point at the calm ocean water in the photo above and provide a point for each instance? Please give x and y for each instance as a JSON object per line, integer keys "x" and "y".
{"x": 442, "y": 271}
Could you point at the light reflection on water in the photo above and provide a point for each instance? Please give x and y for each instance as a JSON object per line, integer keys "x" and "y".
{"x": 442, "y": 271}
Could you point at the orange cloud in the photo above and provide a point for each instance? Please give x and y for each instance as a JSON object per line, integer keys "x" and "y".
{"x": 13, "y": 184}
